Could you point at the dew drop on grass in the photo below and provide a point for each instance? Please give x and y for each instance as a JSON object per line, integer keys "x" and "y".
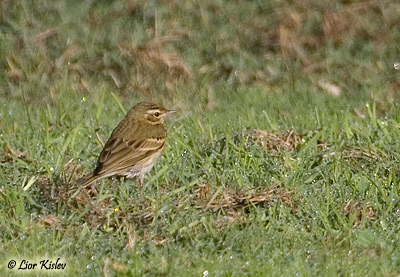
{"x": 83, "y": 100}
{"x": 10, "y": 112}
{"x": 396, "y": 65}
{"x": 88, "y": 266}
{"x": 93, "y": 258}
{"x": 205, "y": 272}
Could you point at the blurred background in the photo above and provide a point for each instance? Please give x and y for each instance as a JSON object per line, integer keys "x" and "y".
{"x": 202, "y": 54}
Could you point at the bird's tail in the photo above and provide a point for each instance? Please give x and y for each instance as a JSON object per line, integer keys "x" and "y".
{"x": 87, "y": 180}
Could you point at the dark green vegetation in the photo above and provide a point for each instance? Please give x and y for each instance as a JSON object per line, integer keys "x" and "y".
{"x": 265, "y": 171}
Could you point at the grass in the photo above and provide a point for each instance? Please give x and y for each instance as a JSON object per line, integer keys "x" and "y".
{"x": 265, "y": 171}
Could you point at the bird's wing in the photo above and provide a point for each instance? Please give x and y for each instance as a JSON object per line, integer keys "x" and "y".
{"x": 120, "y": 154}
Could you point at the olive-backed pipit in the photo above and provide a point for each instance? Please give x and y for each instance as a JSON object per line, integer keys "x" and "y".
{"x": 134, "y": 145}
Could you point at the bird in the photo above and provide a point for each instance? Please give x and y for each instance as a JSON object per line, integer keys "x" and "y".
{"x": 134, "y": 145}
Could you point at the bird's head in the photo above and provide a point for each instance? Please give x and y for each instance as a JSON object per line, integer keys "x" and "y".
{"x": 152, "y": 113}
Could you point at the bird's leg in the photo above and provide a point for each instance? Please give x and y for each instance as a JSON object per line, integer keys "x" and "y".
{"x": 140, "y": 184}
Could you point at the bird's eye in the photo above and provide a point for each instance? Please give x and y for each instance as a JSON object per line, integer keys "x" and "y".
{"x": 156, "y": 114}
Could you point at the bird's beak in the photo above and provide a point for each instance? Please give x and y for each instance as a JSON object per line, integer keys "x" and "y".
{"x": 169, "y": 112}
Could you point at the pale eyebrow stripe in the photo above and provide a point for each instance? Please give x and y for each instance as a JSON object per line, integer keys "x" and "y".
{"x": 154, "y": 111}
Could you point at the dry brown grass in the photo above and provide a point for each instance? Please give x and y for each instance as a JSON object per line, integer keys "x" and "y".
{"x": 46, "y": 221}
{"x": 234, "y": 199}
{"x": 231, "y": 206}
{"x": 41, "y": 38}
{"x": 356, "y": 152}
{"x": 153, "y": 63}
{"x": 338, "y": 24}
{"x": 360, "y": 209}
{"x": 97, "y": 214}
{"x": 273, "y": 141}
{"x": 49, "y": 221}
{"x": 10, "y": 154}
